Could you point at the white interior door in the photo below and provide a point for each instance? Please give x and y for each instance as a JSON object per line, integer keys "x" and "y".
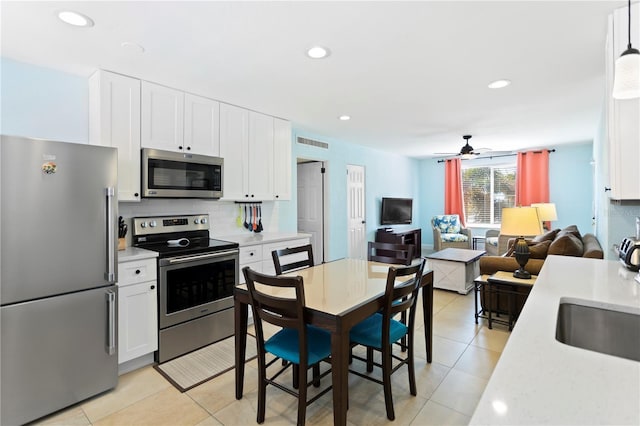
{"x": 310, "y": 206}
{"x": 356, "y": 239}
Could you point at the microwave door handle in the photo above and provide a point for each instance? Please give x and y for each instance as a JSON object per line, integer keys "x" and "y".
{"x": 110, "y": 275}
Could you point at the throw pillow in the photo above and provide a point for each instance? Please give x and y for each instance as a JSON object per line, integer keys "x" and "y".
{"x": 547, "y": 236}
{"x": 566, "y": 245}
{"x": 539, "y": 250}
{"x": 572, "y": 229}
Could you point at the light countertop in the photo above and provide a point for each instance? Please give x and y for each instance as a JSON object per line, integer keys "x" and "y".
{"x": 135, "y": 253}
{"x": 250, "y": 238}
{"x": 539, "y": 380}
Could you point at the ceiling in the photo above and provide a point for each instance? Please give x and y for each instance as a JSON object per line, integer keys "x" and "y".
{"x": 412, "y": 75}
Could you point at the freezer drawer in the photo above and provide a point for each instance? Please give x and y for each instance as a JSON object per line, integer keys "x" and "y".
{"x": 57, "y": 351}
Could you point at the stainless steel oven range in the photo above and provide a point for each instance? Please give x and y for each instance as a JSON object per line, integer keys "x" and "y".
{"x": 196, "y": 277}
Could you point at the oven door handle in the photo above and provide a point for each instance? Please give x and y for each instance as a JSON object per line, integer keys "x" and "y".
{"x": 184, "y": 259}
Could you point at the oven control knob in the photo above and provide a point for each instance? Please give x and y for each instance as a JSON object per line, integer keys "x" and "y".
{"x": 196, "y": 221}
{"x": 152, "y": 224}
{"x": 143, "y": 225}
{"x": 203, "y": 220}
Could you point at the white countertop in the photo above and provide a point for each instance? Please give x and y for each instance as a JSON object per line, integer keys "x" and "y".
{"x": 250, "y": 239}
{"x": 539, "y": 380}
{"x": 135, "y": 253}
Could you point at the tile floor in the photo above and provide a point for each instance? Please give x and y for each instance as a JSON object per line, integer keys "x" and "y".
{"x": 449, "y": 388}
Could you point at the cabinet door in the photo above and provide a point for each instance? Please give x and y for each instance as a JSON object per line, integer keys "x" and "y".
{"x": 281, "y": 159}
{"x": 234, "y": 145}
{"x": 201, "y": 125}
{"x": 114, "y": 120}
{"x": 137, "y": 320}
{"x": 260, "y": 156}
{"x": 162, "y": 117}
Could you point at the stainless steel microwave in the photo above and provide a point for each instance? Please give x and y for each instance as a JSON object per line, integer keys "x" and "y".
{"x": 167, "y": 174}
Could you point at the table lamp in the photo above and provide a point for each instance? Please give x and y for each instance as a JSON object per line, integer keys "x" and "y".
{"x": 521, "y": 221}
{"x": 547, "y": 212}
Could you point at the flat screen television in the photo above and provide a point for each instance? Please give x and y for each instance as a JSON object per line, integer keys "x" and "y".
{"x": 396, "y": 211}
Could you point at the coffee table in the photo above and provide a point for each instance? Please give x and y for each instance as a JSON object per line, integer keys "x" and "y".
{"x": 455, "y": 269}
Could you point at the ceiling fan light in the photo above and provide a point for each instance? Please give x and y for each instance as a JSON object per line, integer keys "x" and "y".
{"x": 626, "y": 82}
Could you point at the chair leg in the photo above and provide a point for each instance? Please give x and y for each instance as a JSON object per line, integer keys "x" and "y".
{"x": 386, "y": 380}
{"x": 262, "y": 389}
{"x": 403, "y": 341}
{"x": 302, "y": 395}
{"x": 296, "y": 375}
{"x": 369, "y": 360}
{"x": 316, "y": 375}
{"x": 411, "y": 367}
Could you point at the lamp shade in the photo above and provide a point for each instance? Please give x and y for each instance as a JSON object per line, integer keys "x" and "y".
{"x": 626, "y": 83}
{"x": 546, "y": 211}
{"x": 520, "y": 221}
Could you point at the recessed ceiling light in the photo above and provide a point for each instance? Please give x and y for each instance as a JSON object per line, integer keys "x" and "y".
{"x": 344, "y": 117}
{"x": 74, "y": 18}
{"x": 499, "y": 84}
{"x": 318, "y": 52}
{"x": 132, "y": 47}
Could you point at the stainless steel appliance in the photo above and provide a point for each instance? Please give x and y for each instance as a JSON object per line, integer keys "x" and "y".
{"x": 196, "y": 277}
{"x": 167, "y": 174}
{"x": 58, "y": 311}
{"x": 629, "y": 253}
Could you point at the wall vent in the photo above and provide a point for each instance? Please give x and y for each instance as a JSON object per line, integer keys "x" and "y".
{"x": 311, "y": 142}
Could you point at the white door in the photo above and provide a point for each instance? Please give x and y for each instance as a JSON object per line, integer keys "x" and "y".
{"x": 311, "y": 206}
{"x": 234, "y": 144}
{"x": 260, "y": 156}
{"x": 201, "y": 125}
{"x": 356, "y": 240}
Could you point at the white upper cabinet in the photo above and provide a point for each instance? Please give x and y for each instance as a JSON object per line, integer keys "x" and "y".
{"x": 623, "y": 115}
{"x": 281, "y": 159}
{"x": 162, "y": 117}
{"x": 234, "y": 146}
{"x": 260, "y": 156}
{"x": 201, "y": 125}
{"x": 114, "y": 120}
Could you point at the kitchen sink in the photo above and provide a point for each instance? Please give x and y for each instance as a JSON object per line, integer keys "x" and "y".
{"x": 608, "y": 331}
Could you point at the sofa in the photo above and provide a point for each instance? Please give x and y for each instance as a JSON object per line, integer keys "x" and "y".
{"x": 562, "y": 242}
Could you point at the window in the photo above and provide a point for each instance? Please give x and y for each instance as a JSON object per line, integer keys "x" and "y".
{"x": 486, "y": 190}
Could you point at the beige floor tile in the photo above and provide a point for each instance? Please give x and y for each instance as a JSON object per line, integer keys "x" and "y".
{"x": 445, "y": 351}
{"x": 477, "y": 361}
{"x": 460, "y": 391}
{"x": 209, "y": 421}
{"x": 494, "y": 339}
{"x": 219, "y": 392}
{"x": 168, "y": 407}
{"x": 73, "y": 416}
{"x": 433, "y": 414}
{"x": 455, "y": 329}
{"x": 132, "y": 387}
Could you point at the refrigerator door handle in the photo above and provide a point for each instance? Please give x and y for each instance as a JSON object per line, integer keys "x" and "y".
{"x": 111, "y": 322}
{"x": 110, "y": 275}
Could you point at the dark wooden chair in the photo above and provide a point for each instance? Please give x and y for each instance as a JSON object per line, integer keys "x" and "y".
{"x": 293, "y": 255}
{"x": 400, "y": 254}
{"x": 299, "y": 344}
{"x": 380, "y": 331}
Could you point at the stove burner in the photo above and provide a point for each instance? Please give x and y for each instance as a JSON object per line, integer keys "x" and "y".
{"x": 182, "y": 242}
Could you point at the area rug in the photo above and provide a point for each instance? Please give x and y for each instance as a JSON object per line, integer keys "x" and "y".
{"x": 197, "y": 367}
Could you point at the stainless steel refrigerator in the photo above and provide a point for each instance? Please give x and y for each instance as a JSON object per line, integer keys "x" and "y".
{"x": 58, "y": 313}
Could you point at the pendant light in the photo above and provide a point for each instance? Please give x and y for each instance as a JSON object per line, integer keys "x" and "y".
{"x": 626, "y": 82}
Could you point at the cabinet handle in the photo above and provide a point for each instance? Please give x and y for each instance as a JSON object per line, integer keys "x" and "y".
{"x": 246, "y": 195}
{"x": 277, "y": 196}
{"x": 250, "y": 254}
{"x": 137, "y": 271}
{"x": 180, "y": 147}
{"x": 251, "y": 195}
{"x": 188, "y": 148}
{"x": 136, "y": 195}
{"x": 152, "y": 287}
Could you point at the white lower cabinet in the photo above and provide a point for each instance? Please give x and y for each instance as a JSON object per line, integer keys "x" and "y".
{"x": 137, "y": 309}
{"x": 258, "y": 256}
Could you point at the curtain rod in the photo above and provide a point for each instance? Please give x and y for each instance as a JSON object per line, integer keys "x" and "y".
{"x": 497, "y": 156}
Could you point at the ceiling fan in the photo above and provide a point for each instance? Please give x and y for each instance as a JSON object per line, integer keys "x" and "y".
{"x": 467, "y": 151}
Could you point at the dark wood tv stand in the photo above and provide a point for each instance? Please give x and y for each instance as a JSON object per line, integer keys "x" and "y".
{"x": 411, "y": 236}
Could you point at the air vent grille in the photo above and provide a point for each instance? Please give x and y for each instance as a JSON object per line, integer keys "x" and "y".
{"x": 311, "y": 142}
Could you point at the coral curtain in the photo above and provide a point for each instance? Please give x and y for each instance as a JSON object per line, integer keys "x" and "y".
{"x": 532, "y": 178}
{"x": 453, "y": 201}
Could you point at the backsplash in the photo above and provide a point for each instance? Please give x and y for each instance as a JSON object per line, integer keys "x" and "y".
{"x": 222, "y": 214}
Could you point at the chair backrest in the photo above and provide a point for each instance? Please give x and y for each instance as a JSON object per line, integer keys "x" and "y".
{"x": 400, "y": 297}
{"x": 278, "y": 301}
{"x": 401, "y": 254}
{"x": 446, "y": 223}
{"x": 280, "y": 256}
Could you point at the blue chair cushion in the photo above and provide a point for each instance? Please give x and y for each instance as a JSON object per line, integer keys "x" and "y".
{"x": 369, "y": 331}
{"x": 447, "y": 223}
{"x": 454, "y": 238}
{"x": 284, "y": 344}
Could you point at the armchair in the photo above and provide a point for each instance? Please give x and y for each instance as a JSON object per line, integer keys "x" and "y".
{"x": 448, "y": 233}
